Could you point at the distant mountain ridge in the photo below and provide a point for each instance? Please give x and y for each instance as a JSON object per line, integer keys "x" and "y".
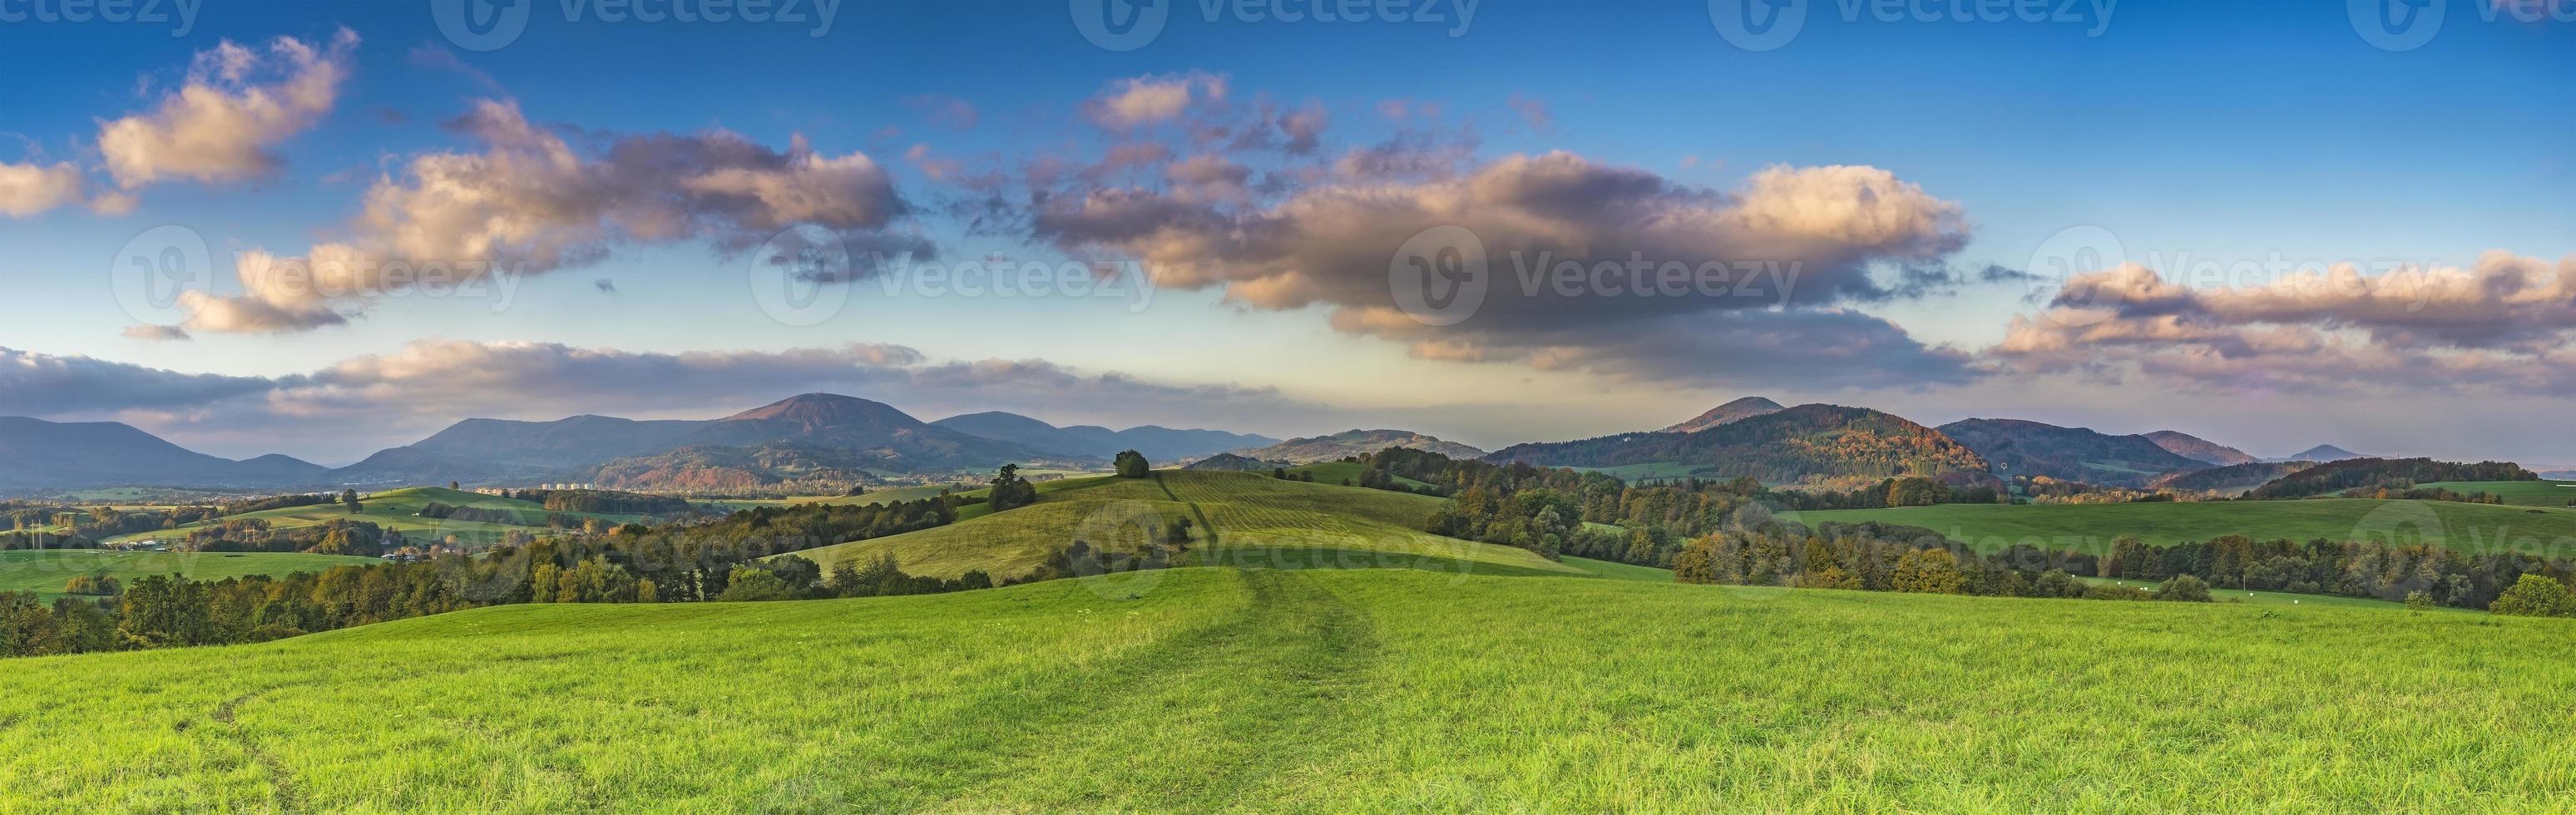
{"x": 2322, "y": 452}
{"x": 1355, "y": 442}
{"x": 1735, "y": 411}
{"x": 2199, "y": 449}
{"x": 1803, "y": 444}
{"x": 38, "y": 454}
{"x": 2022, "y": 447}
{"x": 1158, "y": 444}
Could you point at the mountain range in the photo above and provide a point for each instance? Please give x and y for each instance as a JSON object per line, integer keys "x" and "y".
{"x": 38, "y": 454}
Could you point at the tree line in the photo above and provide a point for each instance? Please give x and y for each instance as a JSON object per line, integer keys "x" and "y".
{"x": 680, "y": 562}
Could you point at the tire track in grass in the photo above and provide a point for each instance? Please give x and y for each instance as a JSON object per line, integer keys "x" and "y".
{"x": 281, "y": 783}
{"x": 1205, "y": 718}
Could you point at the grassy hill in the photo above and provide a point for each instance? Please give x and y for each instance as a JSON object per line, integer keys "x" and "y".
{"x": 44, "y": 571}
{"x": 2468, "y": 528}
{"x": 1256, "y": 519}
{"x": 1322, "y": 691}
{"x": 400, "y": 509}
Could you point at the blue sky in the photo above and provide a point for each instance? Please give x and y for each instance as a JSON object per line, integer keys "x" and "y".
{"x": 2190, "y": 131}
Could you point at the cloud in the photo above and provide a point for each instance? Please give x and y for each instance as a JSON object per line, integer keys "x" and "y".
{"x": 156, "y": 333}
{"x": 27, "y": 190}
{"x": 531, "y": 202}
{"x": 1578, "y": 256}
{"x": 36, "y": 384}
{"x": 1143, "y": 101}
{"x": 2507, "y": 323}
{"x": 235, "y": 106}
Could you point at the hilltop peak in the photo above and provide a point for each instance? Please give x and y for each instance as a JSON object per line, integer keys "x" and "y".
{"x": 819, "y": 409}
{"x": 1738, "y": 410}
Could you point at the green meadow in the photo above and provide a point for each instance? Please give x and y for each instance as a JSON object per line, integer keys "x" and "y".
{"x": 2472, "y": 528}
{"x": 400, "y": 510}
{"x": 2517, "y": 493}
{"x": 1323, "y": 690}
{"x": 45, "y": 571}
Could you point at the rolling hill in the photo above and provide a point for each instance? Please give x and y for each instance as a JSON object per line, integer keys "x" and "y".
{"x": 2025, "y": 448}
{"x": 1319, "y": 690}
{"x": 1803, "y": 444}
{"x": 1159, "y": 444}
{"x": 1745, "y": 408}
{"x": 1256, "y": 520}
{"x": 1231, "y": 463}
{"x": 1354, "y": 443}
{"x": 2199, "y": 449}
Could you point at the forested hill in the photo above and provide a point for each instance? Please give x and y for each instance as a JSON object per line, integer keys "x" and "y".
{"x": 2399, "y": 473}
{"x": 1806, "y": 443}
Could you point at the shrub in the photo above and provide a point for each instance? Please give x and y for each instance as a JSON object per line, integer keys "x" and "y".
{"x": 2536, "y": 596}
{"x": 2184, "y": 589}
{"x": 97, "y": 585}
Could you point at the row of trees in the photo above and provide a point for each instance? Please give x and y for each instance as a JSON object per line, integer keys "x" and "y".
{"x": 1878, "y": 557}
{"x": 2343, "y": 568}
{"x": 719, "y": 561}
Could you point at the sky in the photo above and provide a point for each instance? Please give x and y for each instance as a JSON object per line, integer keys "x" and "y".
{"x": 324, "y": 229}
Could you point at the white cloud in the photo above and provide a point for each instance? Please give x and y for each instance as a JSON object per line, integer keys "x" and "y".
{"x": 32, "y": 189}
{"x": 235, "y": 106}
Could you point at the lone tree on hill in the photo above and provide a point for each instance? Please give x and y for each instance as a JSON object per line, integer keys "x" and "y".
{"x": 1132, "y": 464}
{"x": 350, "y": 497}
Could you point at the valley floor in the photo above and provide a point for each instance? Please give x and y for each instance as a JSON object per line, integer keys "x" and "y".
{"x": 1208, "y": 688}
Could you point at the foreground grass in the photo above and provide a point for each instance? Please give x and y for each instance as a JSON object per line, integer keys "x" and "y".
{"x": 45, "y": 571}
{"x": 1323, "y": 691}
{"x": 2471, "y": 528}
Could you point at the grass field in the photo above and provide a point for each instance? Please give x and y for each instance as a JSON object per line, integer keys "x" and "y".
{"x": 44, "y": 571}
{"x": 1257, "y": 521}
{"x": 400, "y": 509}
{"x": 1323, "y": 690}
{"x": 2517, "y": 493}
{"x": 2091, "y": 527}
